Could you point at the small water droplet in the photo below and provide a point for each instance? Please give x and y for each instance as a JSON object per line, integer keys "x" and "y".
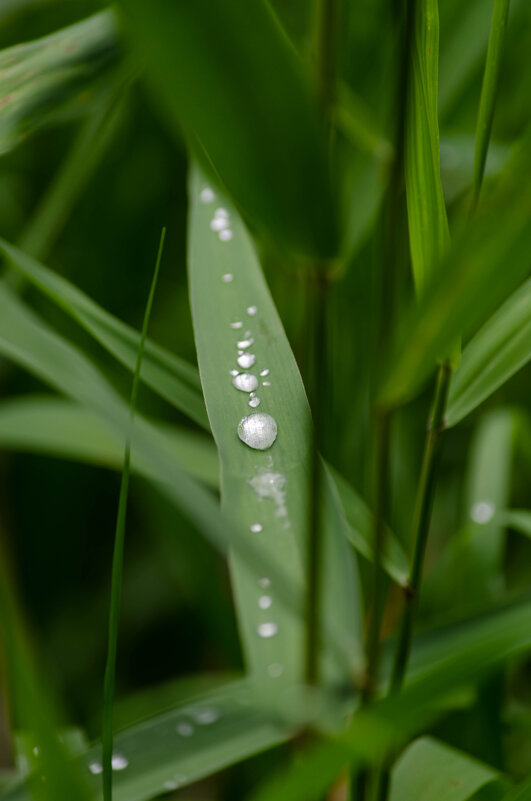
{"x": 119, "y": 762}
{"x": 246, "y": 360}
{"x": 267, "y": 630}
{"x": 222, "y": 213}
{"x": 245, "y": 343}
{"x": 265, "y": 372}
{"x": 266, "y": 383}
{"x": 207, "y": 195}
{"x": 252, "y": 310}
{"x": 185, "y": 729}
{"x": 170, "y": 785}
{"x": 225, "y": 235}
{"x": 258, "y": 431}
{"x": 264, "y": 582}
{"x": 36, "y": 750}
{"x": 206, "y": 716}
{"x": 227, "y": 278}
{"x": 482, "y": 512}
{"x": 219, "y": 224}
{"x": 240, "y": 353}
{"x": 265, "y": 601}
{"x": 95, "y": 768}
{"x": 254, "y": 403}
{"x": 234, "y": 372}
{"x": 275, "y": 669}
{"x": 245, "y": 382}
{"x": 237, "y": 324}
{"x": 256, "y": 528}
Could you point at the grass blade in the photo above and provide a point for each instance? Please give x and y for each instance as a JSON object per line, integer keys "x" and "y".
{"x": 118, "y": 555}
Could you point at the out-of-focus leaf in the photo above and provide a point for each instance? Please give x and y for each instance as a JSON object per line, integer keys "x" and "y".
{"x": 231, "y": 79}
{"x": 499, "y": 349}
{"x": 457, "y": 160}
{"x": 266, "y": 489}
{"x": 520, "y": 793}
{"x": 54, "y": 78}
{"x": 517, "y": 519}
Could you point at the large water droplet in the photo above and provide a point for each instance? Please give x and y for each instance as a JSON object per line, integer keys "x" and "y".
{"x": 254, "y": 402}
{"x": 207, "y": 195}
{"x": 258, "y": 431}
{"x": 245, "y": 382}
{"x": 245, "y": 343}
{"x": 265, "y": 601}
{"x": 185, "y": 729}
{"x": 225, "y": 235}
{"x": 119, "y": 762}
{"x": 482, "y": 512}
{"x": 227, "y": 278}
{"x": 267, "y": 630}
{"x": 246, "y": 360}
{"x": 256, "y": 528}
{"x": 252, "y": 310}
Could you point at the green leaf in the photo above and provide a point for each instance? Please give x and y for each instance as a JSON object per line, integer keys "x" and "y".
{"x": 246, "y": 105}
{"x": 54, "y": 78}
{"x": 171, "y": 377}
{"x": 520, "y": 793}
{"x": 517, "y": 519}
{"x": 499, "y": 349}
{"x": 428, "y": 225}
{"x": 263, "y": 488}
{"x": 432, "y": 769}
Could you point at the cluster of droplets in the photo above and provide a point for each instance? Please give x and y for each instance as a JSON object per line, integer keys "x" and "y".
{"x": 118, "y": 762}
{"x": 220, "y": 222}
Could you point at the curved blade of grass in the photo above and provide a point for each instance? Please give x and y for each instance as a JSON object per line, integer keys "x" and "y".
{"x": 220, "y": 730}
{"x": 267, "y": 487}
{"x": 118, "y": 554}
{"x": 488, "y": 94}
{"x": 168, "y": 375}
{"x": 55, "y": 77}
{"x": 432, "y": 769}
{"x": 58, "y": 427}
{"x": 499, "y": 349}
{"x": 517, "y": 519}
{"x": 428, "y": 224}
{"x": 244, "y": 103}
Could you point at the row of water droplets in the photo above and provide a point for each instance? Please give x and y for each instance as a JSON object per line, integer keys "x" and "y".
{"x": 257, "y": 430}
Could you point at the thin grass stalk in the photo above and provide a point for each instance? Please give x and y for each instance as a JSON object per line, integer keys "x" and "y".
{"x": 118, "y": 556}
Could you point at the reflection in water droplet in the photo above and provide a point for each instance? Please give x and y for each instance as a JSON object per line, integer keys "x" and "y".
{"x": 264, "y": 582}
{"x": 95, "y": 768}
{"x": 258, "y": 431}
{"x": 275, "y": 669}
{"x": 246, "y": 360}
{"x": 265, "y": 601}
{"x": 119, "y": 762}
{"x": 252, "y": 310}
{"x": 245, "y": 382}
{"x": 227, "y": 278}
{"x": 267, "y": 630}
{"x": 234, "y": 372}
{"x": 256, "y": 528}
{"x": 206, "y": 716}
{"x": 237, "y": 324}
{"x": 266, "y": 383}
{"x": 219, "y": 224}
{"x": 245, "y": 343}
{"x": 185, "y": 729}
{"x": 482, "y": 512}
{"x": 207, "y": 195}
{"x": 265, "y": 372}
{"x": 225, "y": 235}
{"x": 254, "y": 403}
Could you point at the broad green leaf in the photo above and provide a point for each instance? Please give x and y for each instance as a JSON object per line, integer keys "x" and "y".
{"x": 428, "y": 225}
{"x": 520, "y": 793}
{"x": 265, "y": 489}
{"x": 499, "y": 349}
{"x": 431, "y": 769}
{"x": 486, "y": 262}
{"x": 59, "y": 427}
{"x": 54, "y": 78}
{"x": 246, "y": 105}
{"x": 167, "y": 374}
{"x": 194, "y": 740}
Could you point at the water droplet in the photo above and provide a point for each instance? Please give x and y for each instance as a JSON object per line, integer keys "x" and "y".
{"x": 256, "y": 528}
{"x": 252, "y": 310}
{"x": 245, "y": 382}
{"x": 222, "y": 213}
{"x": 170, "y": 785}
{"x": 227, "y": 278}
{"x": 234, "y": 372}
{"x": 482, "y": 512}
{"x": 275, "y": 669}
{"x": 219, "y": 224}
{"x": 266, "y": 383}
{"x": 245, "y": 343}
{"x": 265, "y": 372}
{"x": 206, "y": 716}
{"x": 267, "y": 630}
{"x": 225, "y": 235}
{"x": 185, "y": 729}
{"x": 258, "y": 431}
{"x": 237, "y": 324}
{"x": 36, "y": 750}
{"x": 254, "y": 403}
{"x": 119, "y": 762}
{"x": 177, "y": 781}
{"x": 265, "y": 601}
{"x": 95, "y": 768}
{"x": 207, "y": 195}
{"x": 240, "y": 353}
{"x": 264, "y": 582}
{"x": 246, "y": 360}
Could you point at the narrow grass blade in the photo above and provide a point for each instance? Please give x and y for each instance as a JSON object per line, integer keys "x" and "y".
{"x": 488, "y": 94}
{"x": 168, "y": 375}
{"x": 499, "y": 349}
{"x": 118, "y": 555}
{"x": 58, "y": 427}
{"x": 54, "y": 78}
{"x": 265, "y": 489}
{"x": 517, "y": 519}
{"x": 428, "y": 225}
{"x": 432, "y": 769}
{"x": 247, "y": 109}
